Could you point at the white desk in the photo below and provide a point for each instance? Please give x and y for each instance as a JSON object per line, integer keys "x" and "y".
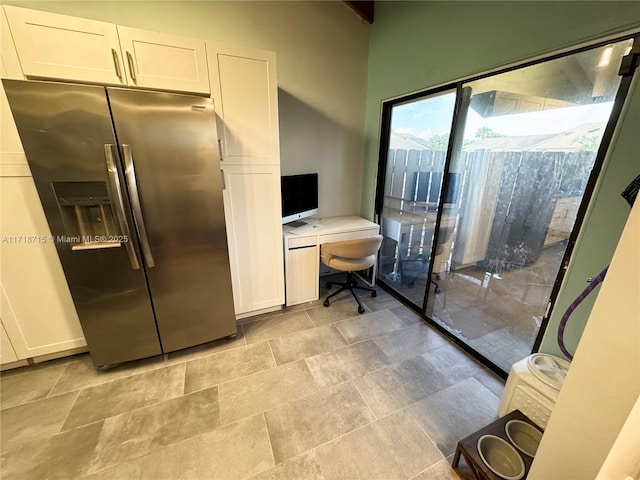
{"x": 302, "y": 252}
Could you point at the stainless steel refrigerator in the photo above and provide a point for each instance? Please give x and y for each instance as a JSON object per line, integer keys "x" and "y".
{"x": 131, "y": 187}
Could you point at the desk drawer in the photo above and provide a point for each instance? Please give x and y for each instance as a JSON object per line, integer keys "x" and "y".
{"x": 302, "y": 242}
{"x": 338, "y": 237}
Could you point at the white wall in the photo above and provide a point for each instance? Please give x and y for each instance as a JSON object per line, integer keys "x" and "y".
{"x": 603, "y": 382}
{"x": 322, "y": 52}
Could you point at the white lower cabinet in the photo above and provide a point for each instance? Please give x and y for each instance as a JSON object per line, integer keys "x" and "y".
{"x": 254, "y": 231}
{"x": 36, "y": 307}
{"x": 302, "y": 287}
{"x": 7, "y": 353}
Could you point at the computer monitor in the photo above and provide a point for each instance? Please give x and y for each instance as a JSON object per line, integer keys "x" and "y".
{"x": 299, "y": 196}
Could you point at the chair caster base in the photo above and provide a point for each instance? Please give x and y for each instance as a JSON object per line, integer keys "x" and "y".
{"x": 374, "y": 294}
{"x": 325, "y": 303}
{"x": 360, "y": 310}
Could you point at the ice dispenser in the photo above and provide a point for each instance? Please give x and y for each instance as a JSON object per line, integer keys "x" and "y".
{"x": 87, "y": 215}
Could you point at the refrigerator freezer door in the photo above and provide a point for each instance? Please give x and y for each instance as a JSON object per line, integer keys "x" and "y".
{"x": 66, "y": 131}
{"x": 169, "y": 146}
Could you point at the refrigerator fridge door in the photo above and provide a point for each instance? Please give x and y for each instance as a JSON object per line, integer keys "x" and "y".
{"x": 170, "y": 152}
{"x": 68, "y": 138}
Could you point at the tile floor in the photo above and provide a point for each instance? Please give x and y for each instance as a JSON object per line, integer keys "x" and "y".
{"x": 307, "y": 393}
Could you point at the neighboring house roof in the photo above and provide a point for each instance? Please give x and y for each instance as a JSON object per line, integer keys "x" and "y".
{"x": 569, "y": 140}
{"x": 508, "y": 144}
{"x": 406, "y": 141}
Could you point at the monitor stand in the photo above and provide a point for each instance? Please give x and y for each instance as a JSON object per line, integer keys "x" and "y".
{"x": 296, "y": 223}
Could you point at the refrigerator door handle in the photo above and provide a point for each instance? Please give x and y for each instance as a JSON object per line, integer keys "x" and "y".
{"x": 116, "y": 188}
{"x": 130, "y": 174}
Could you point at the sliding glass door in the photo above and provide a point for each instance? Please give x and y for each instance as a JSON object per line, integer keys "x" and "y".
{"x": 477, "y": 218}
{"x": 413, "y": 182}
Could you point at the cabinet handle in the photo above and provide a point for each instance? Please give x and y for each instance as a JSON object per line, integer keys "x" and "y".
{"x": 224, "y": 185}
{"x": 132, "y": 69}
{"x": 220, "y": 150}
{"x": 116, "y": 63}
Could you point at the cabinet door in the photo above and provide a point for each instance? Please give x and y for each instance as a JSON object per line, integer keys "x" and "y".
{"x": 12, "y": 158}
{"x": 254, "y": 231}
{"x": 36, "y": 307}
{"x": 163, "y": 61}
{"x": 302, "y": 265}
{"x": 7, "y": 354}
{"x": 244, "y": 87}
{"x": 69, "y": 48}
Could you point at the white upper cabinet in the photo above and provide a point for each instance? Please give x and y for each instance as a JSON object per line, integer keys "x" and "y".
{"x": 159, "y": 60}
{"x": 68, "y": 48}
{"x": 244, "y": 88}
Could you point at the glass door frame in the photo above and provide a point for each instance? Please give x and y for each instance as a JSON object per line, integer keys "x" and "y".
{"x": 627, "y": 71}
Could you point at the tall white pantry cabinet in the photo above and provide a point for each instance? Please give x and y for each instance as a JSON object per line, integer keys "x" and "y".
{"x": 38, "y": 316}
{"x": 245, "y": 92}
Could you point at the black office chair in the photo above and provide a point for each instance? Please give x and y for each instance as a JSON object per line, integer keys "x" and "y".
{"x": 350, "y": 256}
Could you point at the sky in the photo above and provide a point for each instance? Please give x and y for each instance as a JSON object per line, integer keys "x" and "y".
{"x": 432, "y": 116}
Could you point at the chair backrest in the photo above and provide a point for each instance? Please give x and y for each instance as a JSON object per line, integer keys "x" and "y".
{"x": 443, "y": 238}
{"x": 356, "y": 248}
{"x": 359, "y": 248}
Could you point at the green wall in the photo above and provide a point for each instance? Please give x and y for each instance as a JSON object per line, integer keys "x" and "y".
{"x": 417, "y": 45}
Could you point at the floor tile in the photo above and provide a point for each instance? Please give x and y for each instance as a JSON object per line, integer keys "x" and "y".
{"x": 306, "y": 343}
{"x": 28, "y": 385}
{"x": 124, "y": 471}
{"x": 313, "y": 420}
{"x": 395, "y": 387}
{"x": 382, "y": 301}
{"x": 235, "y": 451}
{"x": 394, "y": 447}
{"x": 492, "y": 381}
{"x": 217, "y": 346}
{"x": 440, "y": 471}
{"x": 346, "y": 363}
{"x": 118, "y": 396}
{"x": 302, "y": 467}
{"x": 410, "y": 341}
{"x": 406, "y": 315}
{"x": 276, "y": 326}
{"x": 369, "y": 325}
{"x": 453, "y": 362}
{"x": 222, "y": 367}
{"x": 336, "y": 312}
{"x": 455, "y": 412}
{"x": 82, "y": 373}
{"x": 134, "y": 434}
{"x": 34, "y": 420}
{"x": 264, "y": 390}
{"x": 63, "y": 456}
